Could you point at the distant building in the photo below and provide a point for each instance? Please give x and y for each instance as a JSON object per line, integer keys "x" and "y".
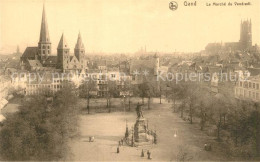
{"x": 141, "y": 68}
{"x": 244, "y": 44}
{"x": 248, "y": 89}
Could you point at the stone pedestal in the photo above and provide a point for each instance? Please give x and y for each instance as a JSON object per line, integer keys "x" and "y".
{"x": 140, "y": 130}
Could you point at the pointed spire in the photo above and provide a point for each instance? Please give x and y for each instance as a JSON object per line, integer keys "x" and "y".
{"x": 44, "y": 35}
{"x": 79, "y": 44}
{"x": 63, "y": 43}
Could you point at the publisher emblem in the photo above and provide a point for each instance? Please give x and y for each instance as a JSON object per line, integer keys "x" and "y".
{"x": 173, "y": 5}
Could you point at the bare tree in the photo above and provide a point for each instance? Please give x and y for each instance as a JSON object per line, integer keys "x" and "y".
{"x": 86, "y": 91}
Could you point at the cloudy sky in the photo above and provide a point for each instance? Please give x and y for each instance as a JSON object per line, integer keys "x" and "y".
{"x": 124, "y": 25}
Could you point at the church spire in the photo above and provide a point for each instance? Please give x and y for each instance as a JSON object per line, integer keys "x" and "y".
{"x": 63, "y": 43}
{"x": 44, "y": 35}
{"x": 79, "y": 43}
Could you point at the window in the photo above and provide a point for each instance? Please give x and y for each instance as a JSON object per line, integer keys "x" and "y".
{"x": 113, "y": 75}
{"x": 245, "y": 84}
{"x": 254, "y": 85}
{"x": 257, "y": 96}
{"x": 249, "y": 93}
{"x": 43, "y": 51}
{"x": 245, "y": 93}
{"x": 250, "y": 85}
{"x": 254, "y": 95}
{"x": 257, "y": 86}
{"x": 241, "y": 84}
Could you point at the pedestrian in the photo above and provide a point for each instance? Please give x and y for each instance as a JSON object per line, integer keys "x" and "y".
{"x": 117, "y": 150}
{"x": 122, "y": 141}
{"x": 149, "y": 155}
{"x": 142, "y": 153}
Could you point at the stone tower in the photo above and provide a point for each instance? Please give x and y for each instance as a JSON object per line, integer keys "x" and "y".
{"x": 44, "y": 45}
{"x": 63, "y": 54}
{"x": 245, "y": 35}
{"x": 79, "y": 51}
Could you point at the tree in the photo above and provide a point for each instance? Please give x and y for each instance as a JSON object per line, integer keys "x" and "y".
{"x": 40, "y": 130}
{"x": 86, "y": 91}
{"x": 204, "y": 107}
{"x": 175, "y": 92}
{"x": 146, "y": 90}
{"x": 112, "y": 91}
{"x": 192, "y": 93}
{"x": 127, "y": 90}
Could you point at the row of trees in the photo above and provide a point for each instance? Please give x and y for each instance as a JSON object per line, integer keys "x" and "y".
{"x": 42, "y": 127}
{"x": 147, "y": 89}
{"x": 236, "y": 122}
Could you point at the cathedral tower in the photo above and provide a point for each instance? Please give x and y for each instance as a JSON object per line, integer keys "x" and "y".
{"x": 63, "y": 54}
{"x": 44, "y": 45}
{"x": 79, "y": 52}
{"x": 245, "y": 35}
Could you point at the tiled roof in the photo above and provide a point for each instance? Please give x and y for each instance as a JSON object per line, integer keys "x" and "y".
{"x": 254, "y": 71}
{"x": 51, "y": 60}
{"x": 30, "y": 52}
{"x": 35, "y": 63}
{"x": 142, "y": 65}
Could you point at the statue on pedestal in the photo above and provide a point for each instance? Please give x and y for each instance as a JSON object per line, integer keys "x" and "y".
{"x": 139, "y": 111}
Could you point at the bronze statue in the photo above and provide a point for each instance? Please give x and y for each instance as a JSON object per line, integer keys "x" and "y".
{"x": 139, "y": 111}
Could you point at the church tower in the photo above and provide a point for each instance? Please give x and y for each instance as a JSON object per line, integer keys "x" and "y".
{"x": 245, "y": 35}
{"x": 79, "y": 52}
{"x": 44, "y": 45}
{"x": 63, "y": 54}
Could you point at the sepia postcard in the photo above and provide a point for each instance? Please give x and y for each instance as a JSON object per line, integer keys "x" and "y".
{"x": 129, "y": 80}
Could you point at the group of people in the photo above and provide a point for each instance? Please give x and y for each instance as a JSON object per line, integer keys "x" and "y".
{"x": 121, "y": 143}
{"x": 148, "y": 154}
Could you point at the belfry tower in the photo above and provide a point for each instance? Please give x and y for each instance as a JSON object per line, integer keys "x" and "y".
{"x": 63, "y": 54}
{"x": 44, "y": 45}
{"x": 245, "y": 35}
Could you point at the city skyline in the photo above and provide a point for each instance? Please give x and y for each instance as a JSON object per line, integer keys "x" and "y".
{"x": 138, "y": 24}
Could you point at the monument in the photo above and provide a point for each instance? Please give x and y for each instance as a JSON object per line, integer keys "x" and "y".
{"x": 140, "y": 129}
{"x": 140, "y": 134}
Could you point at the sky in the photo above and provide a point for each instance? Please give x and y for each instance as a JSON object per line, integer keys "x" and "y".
{"x": 124, "y": 26}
